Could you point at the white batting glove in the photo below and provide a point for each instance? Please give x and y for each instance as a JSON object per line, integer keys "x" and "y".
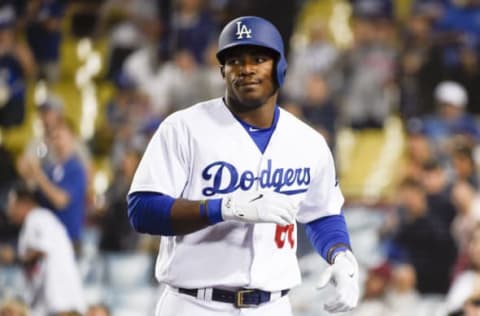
{"x": 343, "y": 274}
{"x": 259, "y": 207}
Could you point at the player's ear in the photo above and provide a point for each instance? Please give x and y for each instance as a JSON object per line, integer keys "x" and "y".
{"x": 222, "y": 71}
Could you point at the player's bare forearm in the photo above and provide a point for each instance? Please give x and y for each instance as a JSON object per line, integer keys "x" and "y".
{"x": 186, "y": 217}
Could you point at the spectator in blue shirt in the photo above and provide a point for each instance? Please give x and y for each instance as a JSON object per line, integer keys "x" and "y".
{"x": 61, "y": 183}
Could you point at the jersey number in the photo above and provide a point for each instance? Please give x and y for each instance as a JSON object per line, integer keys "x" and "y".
{"x": 284, "y": 233}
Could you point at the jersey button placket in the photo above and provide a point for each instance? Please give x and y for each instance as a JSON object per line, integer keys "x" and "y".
{"x": 256, "y": 236}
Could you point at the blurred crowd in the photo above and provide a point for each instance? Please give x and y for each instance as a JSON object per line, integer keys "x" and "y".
{"x": 422, "y": 67}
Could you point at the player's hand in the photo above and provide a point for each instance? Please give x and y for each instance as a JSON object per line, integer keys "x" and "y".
{"x": 259, "y": 207}
{"x": 343, "y": 274}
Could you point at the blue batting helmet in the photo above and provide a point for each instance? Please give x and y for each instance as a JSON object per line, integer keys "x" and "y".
{"x": 252, "y": 30}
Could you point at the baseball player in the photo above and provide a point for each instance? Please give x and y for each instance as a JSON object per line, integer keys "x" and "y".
{"x": 224, "y": 182}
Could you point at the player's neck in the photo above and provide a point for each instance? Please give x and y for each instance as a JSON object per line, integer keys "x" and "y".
{"x": 261, "y": 116}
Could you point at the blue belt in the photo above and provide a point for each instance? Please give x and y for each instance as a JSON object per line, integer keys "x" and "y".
{"x": 241, "y": 298}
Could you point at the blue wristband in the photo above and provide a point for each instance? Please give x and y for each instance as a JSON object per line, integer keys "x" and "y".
{"x": 214, "y": 211}
{"x": 335, "y": 250}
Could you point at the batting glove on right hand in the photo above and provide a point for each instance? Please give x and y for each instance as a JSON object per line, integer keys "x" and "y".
{"x": 259, "y": 207}
{"x": 343, "y": 274}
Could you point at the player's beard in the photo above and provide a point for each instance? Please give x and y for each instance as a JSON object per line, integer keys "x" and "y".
{"x": 244, "y": 104}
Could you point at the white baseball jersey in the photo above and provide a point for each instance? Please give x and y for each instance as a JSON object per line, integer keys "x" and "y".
{"x": 204, "y": 152}
{"x": 55, "y": 285}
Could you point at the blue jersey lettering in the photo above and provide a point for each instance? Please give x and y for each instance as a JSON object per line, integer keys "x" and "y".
{"x": 224, "y": 177}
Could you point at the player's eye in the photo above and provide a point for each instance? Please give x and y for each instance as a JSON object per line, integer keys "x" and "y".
{"x": 232, "y": 61}
{"x": 260, "y": 59}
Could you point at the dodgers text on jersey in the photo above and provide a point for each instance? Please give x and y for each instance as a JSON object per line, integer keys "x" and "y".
{"x": 225, "y": 178}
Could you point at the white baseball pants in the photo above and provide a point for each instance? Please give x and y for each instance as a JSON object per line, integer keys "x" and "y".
{"x": 172, "y": 303}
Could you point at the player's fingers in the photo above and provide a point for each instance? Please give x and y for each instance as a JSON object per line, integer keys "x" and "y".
{"x": 288, "y": 216}
{"x": 280, "y": 221}
{"x": 293, "y": 213}
{"x": 341, "y": 303}
{"x": 335, "y": 306}
{"x": 282, "y": 213}
{"x": 335, "y": 309}
{"x": 325, "y": 277}
{"x": 348, "y": 291}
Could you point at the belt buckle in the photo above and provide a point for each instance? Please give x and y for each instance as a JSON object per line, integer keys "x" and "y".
{"x": 239, "y": 299}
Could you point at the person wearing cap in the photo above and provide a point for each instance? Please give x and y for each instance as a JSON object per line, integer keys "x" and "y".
{"x": 50, "y": 113}
{"x": 450, "y": 118}
{"x": 60, "y": 180}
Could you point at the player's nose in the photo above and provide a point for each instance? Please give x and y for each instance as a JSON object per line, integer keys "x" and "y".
{"x": 247, "y": 69}
{"x": 247, "y": 66}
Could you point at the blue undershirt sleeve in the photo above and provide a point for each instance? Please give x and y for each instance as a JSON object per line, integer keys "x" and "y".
{"x": 328, "y": 235}
{"x": 149, "y": 213}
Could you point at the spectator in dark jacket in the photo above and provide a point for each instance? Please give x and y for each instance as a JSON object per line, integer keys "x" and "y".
{"x": 428, "y": 245}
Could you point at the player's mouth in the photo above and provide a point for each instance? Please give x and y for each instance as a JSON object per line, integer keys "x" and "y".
{"x": 248, "y": 84}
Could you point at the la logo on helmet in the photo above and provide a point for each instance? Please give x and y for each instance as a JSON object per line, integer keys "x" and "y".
{"x": 243, "y": 30}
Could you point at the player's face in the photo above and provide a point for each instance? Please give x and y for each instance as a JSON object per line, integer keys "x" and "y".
{"x": 248, "y": 72}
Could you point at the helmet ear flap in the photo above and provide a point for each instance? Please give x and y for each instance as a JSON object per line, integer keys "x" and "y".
{"x": 281, "y": 70}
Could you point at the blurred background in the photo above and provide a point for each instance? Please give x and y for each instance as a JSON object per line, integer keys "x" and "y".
{"x": 394, "y": 86}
